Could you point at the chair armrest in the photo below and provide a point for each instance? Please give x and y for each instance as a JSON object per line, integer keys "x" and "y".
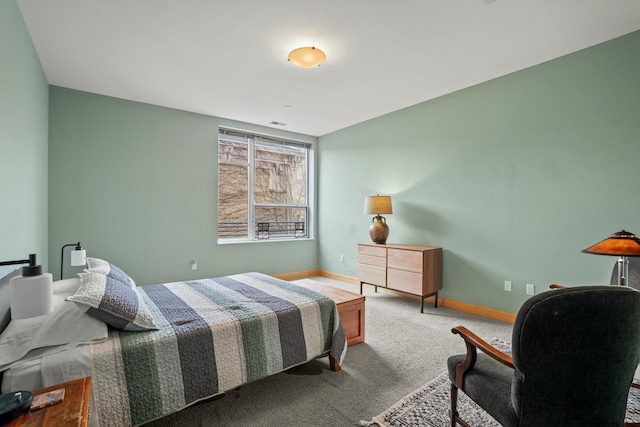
{"x": 474, "y": 342}
{"x": 554, "y": 286}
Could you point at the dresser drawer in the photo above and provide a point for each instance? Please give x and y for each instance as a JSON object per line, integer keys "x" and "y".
{"x": 372, "y": 250}
{"x": 405, "y": 260}
{"x": 405, "y": 281}
{"x": 372, "y": 260}
{"x": 372, "y": 274}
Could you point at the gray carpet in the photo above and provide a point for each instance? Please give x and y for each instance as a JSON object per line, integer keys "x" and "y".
{"x": 403, "y": 350}
{"x": 429, "y": 406}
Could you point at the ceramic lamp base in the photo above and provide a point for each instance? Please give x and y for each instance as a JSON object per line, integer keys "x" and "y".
{"x": 31, "y": 296}
{"x": 379, "y": 230}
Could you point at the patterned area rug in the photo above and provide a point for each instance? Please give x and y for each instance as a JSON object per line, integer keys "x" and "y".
{"x": 429, "y": 406}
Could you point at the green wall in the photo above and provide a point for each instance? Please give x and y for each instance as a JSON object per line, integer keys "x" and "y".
{"x": 512, "y": 178}
{"x": 24, "y": 107}
{"x": 137, "y": 185}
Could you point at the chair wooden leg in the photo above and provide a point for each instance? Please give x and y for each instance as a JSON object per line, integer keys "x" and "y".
{"x": 454, "y": 404}
{"x": 455, "y": 416}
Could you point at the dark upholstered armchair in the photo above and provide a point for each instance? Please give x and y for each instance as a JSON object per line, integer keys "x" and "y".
{"x": 574, "y": 354}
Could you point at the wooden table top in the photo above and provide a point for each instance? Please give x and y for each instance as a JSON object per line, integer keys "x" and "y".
{"x": 338, "y": 295}
{"x": 72, "y": 411}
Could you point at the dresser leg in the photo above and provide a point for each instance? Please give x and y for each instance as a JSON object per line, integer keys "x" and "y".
{"x": 436, "y": 305}
{"x": 360, "y": 288}
{"x": 421, "y": 304}
{"x": 376, "y": 289}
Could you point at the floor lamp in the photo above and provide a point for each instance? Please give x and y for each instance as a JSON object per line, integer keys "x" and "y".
{"x": 622, "y": 244}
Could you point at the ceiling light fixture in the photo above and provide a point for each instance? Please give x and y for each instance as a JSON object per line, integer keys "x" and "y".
{"x": 307, "y": 57}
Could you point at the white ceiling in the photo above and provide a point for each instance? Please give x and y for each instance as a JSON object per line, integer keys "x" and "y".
{"x": 228, "y": 58}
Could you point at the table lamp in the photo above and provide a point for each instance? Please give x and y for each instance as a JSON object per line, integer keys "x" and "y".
{"x": 622, "y": 244}
{"x": 31, "y": 296}
{"x": 31, "y": 293}
{"x": 378, "y": 205}
{"x": 78, "y": 257}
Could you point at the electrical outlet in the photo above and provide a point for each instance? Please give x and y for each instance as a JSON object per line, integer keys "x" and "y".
{"x": 341, "y": 258}
{"x": 194, "y": 265}
{"x": 507, "y": 285}
{"x": 531, "y": 289}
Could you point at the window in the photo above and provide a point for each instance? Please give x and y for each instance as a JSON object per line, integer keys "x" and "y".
{"x": 263, "y": 187}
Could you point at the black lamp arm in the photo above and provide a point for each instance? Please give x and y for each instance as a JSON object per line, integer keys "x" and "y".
{"x": 31, "y": 261}
{"x": 78, "y": 247}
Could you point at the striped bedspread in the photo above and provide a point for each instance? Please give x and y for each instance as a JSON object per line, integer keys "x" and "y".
{"x": 215, "y": 334}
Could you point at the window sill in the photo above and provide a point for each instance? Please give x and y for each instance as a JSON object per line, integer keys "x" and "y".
{"x": 243, "y": 242}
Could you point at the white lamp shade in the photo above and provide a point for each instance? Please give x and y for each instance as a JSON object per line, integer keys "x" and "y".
{"x": 31, "y": 296}
{"x": 378, "y": 205}
{"x": 78, "y": 257}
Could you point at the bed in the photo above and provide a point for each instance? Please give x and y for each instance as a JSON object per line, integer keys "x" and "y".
{"x": 193, "y": 340}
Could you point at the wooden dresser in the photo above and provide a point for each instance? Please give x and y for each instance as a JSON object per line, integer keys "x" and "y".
{"x": 411, "y": 269}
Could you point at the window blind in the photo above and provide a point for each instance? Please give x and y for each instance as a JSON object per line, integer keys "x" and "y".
{"x": 263, "y": 138}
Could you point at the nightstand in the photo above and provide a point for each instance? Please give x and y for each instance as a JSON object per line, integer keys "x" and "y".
{"x": 72, "y": 411}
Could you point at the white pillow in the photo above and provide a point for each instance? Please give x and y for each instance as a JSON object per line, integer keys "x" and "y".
{"x": 66, "y": 326}
{"x": 66, "y": 286}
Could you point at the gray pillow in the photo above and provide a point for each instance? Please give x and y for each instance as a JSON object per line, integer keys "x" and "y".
{"x": 113, "y": 302}
{"x": 5, "y": 299}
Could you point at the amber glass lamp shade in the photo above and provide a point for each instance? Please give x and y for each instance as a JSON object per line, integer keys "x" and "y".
{"x": 307, "y": 57}
{"x": 622, "y": 243}
{"x": 378, "y": 205}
